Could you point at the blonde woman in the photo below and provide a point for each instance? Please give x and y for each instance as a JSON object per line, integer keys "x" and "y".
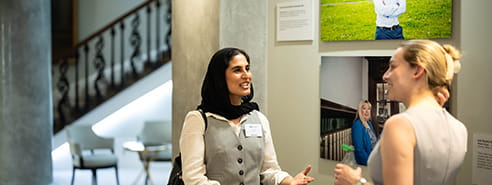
{"x": 363, "y": 133}
{"x": 424, "y": 144}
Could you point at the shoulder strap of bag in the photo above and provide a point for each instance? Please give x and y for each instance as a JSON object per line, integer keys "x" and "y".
{"x": 204, "y": 117}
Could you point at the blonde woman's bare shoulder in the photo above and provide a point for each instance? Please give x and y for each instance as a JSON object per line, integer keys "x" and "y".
{"x": 399, "y": 132}
{"x": 398, "y": 123}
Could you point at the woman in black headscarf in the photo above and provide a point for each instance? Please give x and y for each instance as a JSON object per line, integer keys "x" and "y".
{"x": 233, "y": 145}
{"x": 216, "y": 97}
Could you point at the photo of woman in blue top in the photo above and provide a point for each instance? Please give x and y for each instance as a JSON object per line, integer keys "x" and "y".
{"x": 363, "y": 135}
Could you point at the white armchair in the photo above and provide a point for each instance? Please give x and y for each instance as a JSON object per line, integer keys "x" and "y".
{"x": 90, "y": 151}
{"x": 156, "y": 133}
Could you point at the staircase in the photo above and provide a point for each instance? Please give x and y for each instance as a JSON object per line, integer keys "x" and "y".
{"x": 110, "y": 60}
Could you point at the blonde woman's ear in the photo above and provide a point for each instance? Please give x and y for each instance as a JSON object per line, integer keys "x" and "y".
{"x": 419, "y": 71}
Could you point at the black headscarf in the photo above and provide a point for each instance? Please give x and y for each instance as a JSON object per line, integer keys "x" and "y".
{"x": 215, "y": 94}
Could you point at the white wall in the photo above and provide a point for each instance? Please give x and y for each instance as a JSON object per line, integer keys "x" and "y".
{"x": 95, "y": 14}
{"x": 341, "y": 80}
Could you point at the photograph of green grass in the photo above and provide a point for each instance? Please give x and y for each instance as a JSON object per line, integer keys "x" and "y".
{"x": 342, "y": 20}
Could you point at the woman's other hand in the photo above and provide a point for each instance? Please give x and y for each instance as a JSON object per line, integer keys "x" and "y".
{"x": 345, "y": 175}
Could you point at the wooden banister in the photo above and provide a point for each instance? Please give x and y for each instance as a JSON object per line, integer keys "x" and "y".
{"x": 70, "y": 51}
{"x": 113, "y": 23}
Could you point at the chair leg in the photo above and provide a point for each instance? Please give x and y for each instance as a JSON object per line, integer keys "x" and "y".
{"x": 94, "y": 176}
{"x": 117, "y": 178}
{"x": 73, "y": 175}
{"x": 147, "y": 172}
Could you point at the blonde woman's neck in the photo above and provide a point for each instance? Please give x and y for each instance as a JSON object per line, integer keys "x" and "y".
{"x": 425, "y": 99}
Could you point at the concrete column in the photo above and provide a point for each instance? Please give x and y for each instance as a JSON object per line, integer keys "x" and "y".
{"x": 25, "y": 92}
{"x": 243, "y": 24}
{"x": 195, "y": 38}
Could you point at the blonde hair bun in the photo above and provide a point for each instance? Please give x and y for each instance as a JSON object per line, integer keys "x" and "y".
{"x": 453, "y": 57}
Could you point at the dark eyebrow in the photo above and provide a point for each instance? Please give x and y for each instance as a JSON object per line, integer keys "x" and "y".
{"x": 239, "y": 66}
{"x": 236, "y": 68}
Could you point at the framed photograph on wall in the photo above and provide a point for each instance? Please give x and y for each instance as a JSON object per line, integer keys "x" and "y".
{"x": 343, "y": 20}
{"x": 345, "y": 82}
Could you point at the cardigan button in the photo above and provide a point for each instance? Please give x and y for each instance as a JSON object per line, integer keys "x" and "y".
{"x": 240, "y": 160}
{"x": 240, "y": 147}
{"x": 241, "y": 172}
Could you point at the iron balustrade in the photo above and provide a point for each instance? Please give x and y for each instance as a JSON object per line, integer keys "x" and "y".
{"x": 75, "y": 95}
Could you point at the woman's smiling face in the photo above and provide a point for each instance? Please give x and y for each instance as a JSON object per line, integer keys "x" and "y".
{"x": 398, "y": 76}
{"x": 238, "y": 78}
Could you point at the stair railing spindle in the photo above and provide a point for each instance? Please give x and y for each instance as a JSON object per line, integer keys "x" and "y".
{"x": 168, "y": 20}
{"x": 135, "y": 40}
{"x": 99, "y": 64}
{"x": 86, "y": 77}
{"x": 157, "y": 35}
{"x": 63, "y": 87}
{"x": 113, "y": 32}
{"x": 149, "y": 10}
{"x": 77, "y": 104}
{"x": 122, "y": 53}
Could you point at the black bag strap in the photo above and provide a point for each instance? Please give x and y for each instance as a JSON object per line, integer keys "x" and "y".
{"x": 204, "y": 117}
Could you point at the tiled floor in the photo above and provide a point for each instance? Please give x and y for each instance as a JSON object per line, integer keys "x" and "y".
{"x": 130, "y": 169}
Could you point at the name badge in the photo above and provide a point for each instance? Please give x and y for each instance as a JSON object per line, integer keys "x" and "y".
{"x": 253, "y": 130}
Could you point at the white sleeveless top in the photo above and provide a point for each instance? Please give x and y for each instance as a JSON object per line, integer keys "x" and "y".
{"x": 439, "y": 151}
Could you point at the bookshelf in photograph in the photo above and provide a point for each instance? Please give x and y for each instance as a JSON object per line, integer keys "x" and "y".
{"x": 335, "y": 129}
{"x": 382, "y": 107}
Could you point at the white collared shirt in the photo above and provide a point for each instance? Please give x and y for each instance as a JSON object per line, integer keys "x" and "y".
{"x": 387, "y": 12}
